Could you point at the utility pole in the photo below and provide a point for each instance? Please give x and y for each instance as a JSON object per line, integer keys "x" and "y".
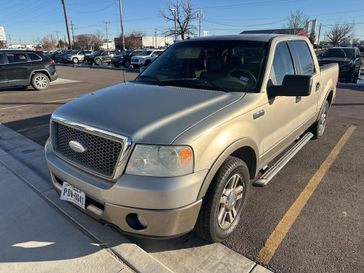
{"x": 155, "y": 38}
{"x": 73, "y": 34}
{"x": 107, "y": 34}
{"x": 175, "y": 23}
{"x": 121, "y": 26}
{"x": 66, "y": 21}
{"x": 199, "y": 16}
{"x": 57, "y": 33}
{"x": 319, "y": 33}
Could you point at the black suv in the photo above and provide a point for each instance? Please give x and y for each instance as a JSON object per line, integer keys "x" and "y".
{"x": 105, "y": 56}
{"x": 23, "y": 68}
{"x": 349, "y": 60}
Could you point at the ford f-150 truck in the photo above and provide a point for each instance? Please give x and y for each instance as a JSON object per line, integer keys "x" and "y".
{"x": 178, "y": 148}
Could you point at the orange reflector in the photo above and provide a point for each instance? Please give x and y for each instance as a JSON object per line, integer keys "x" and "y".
{"x": 185, "y": 156}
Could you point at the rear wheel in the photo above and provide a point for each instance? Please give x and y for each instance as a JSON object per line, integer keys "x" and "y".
{"x": 40, "y": 81}
{"x": 318, "y": 128}
{"x": 127, "y": 64}
{"x": 224, "y": 201}
{"x": 356, "y": 77}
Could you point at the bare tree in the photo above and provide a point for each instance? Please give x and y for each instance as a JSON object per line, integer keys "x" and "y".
{"x": 2, "y": 44}
{"x": 296, "y": 21}
{"x": 183, "y": 12}
{"x": 340, "y": 33}
{"x": 48, "y": 42}
{"x": 88, "y": 41}
{"x": 134, "y": 40}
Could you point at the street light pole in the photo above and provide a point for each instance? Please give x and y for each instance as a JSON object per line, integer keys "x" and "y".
{"x": 66, "y": 21}
{"x": 107, "y": 34}
{"x": 199, "y": 16}
{"x": 175, "y": 23}
{"x": 121, "y": 25}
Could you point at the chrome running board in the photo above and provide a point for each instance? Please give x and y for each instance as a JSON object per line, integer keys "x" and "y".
{"x": 268, "y": 175}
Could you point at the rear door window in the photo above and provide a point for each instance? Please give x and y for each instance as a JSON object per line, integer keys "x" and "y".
{"x": 16, "y": 58}
{"x": 302, "y": 58}
{"x": 282, "y": 64}
{"x": 34, "y": 57}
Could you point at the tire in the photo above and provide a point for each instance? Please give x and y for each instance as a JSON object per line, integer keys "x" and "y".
{"x": 356, "y": 77}
{"x": 127, "y": 64}
{"x": 349, "y": 78}
{"x": 318, "y": 128}
{"x": 40, "y": 81}
{"x": 136, "y": 66}
{"x": 216, "y": 220}
{"x": 98, "y": 61}
{"x": 75, "y": 60}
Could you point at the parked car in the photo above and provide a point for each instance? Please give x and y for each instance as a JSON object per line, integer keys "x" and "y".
{"x": 349, "y": 60}
{"x": 178, "y": 148}
{"x": 58, "y": 56}
{"x": 24, "y": 67}
{"x": 75, "y": 56}
{"x": 145, "y": 58}
{"x": 105, "y": 56}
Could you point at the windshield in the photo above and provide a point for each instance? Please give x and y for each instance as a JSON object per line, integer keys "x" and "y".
{"x": 144, "y": 53}
{"x": 339, "y": 52}
{"x": 230, "y": 66}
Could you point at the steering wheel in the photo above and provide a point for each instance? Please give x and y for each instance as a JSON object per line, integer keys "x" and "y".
{"x": 252, "y": 80}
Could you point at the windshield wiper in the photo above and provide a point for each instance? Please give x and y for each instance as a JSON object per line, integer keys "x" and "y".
{"x": 195, "y": 82}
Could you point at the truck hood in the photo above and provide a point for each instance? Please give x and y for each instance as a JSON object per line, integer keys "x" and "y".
{"x": 146, "y": 113}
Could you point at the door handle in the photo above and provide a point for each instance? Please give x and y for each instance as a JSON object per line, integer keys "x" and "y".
{"x": 258, "y": 114}
{"x": 318, "y": 85}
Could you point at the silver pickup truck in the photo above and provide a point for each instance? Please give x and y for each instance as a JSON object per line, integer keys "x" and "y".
{"x": 178, "y": 148}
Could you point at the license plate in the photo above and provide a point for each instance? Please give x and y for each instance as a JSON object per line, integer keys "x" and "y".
{"x": 72, "y": 194}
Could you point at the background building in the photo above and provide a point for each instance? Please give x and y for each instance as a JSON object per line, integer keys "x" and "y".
{"x": 2, "y": 34}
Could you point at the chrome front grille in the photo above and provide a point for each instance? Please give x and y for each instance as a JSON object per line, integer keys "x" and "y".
{"x": 102, "y": 153}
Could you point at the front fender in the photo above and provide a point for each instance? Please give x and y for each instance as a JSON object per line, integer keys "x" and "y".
{"x": 245, "y": 142}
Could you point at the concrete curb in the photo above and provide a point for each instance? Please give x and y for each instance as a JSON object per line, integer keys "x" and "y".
{"x": 25, "y": 159}
{"x": 116, "y": 244}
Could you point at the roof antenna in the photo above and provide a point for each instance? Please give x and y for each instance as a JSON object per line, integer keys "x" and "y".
{"x": 123, "y": 75}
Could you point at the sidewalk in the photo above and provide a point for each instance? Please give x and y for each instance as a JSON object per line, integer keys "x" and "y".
{"x": 36, "y": 238}
{"x": 38, "y": 232}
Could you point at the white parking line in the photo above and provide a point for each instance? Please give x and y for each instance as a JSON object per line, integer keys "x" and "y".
{"x": 34, "y": 103}
{"x": 63, "y": 81}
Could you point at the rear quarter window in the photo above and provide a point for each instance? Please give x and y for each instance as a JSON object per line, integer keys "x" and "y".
{"x": 302, "y": 58}
{"x": 34, "y": 57}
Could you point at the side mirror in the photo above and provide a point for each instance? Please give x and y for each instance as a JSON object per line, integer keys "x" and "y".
{"x": 292, "y": 86}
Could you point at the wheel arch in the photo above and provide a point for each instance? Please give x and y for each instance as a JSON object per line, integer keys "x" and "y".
{"x": 44, "y": 71}
{"x": 245, "y": 149}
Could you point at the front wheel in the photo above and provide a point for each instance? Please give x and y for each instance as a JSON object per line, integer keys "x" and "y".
{"x": 98, "y": 61}
{"x": 224, "y": 201}
{"x": 75, "y": 60}
{"x": 40, "y": 81}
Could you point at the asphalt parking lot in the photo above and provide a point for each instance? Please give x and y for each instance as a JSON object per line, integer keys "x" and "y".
{"x": 328, "y": 233}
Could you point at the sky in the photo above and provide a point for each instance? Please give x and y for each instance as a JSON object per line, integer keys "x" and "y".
{"x": 27, "y": 21}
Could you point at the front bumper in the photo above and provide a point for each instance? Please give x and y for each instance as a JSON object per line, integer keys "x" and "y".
{"x": 168, "y": 205}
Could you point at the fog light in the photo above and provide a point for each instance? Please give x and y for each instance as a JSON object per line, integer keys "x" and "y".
{"x": 142, "y": 221}
{"x": 135, "y": 221}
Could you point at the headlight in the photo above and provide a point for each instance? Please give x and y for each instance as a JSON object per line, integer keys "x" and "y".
{"x": 163, "y": 161}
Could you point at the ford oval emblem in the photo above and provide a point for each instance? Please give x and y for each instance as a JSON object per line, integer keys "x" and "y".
{"x": 77, "y": 146}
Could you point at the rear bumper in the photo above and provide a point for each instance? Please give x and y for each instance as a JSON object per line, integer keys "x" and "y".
{"x": 54, "y": 76}
{"x": 168, "y": 205}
